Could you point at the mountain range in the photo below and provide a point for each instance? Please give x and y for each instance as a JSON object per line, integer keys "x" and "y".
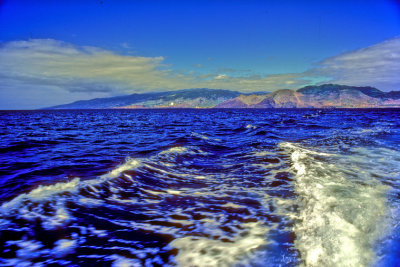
{"x": 320, "y": 96}
{"x": 186, "y": 98}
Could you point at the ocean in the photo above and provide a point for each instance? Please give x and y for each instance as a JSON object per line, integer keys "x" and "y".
{"x": 200, "y": 187}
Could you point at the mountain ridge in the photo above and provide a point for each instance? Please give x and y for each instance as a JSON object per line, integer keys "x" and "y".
{"x": 314, "y": 96}
{"x": 321, "y": 96}
{"x": 195, "y": 97}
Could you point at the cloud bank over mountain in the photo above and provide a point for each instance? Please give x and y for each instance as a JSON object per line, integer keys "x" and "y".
{"x": 56, "y": 72}
{"x": 377, "y": 65}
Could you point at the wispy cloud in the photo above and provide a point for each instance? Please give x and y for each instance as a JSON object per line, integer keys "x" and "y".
{"x": 79, "y": 69}
{"x": 259, "y": 83}
{"x": 126, "y": 45}
{"x": 377, "y": 65}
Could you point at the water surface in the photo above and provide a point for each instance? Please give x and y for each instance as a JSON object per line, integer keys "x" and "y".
{"x": 281, "y": 187}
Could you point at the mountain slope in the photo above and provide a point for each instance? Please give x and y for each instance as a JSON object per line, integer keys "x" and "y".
{"x": 322, "y": 96}
{"x": 242, "y": 101}
{"x": 199, "y": 97}
{"x": 282, "y": 99}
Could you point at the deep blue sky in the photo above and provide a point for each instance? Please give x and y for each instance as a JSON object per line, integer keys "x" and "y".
{"x": 262, "y": 36}
{"x": 238, "y": 38}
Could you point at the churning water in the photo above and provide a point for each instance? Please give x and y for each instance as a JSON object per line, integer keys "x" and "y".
{"x": 200, "y": 188}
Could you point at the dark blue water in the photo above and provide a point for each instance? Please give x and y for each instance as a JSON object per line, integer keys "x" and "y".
{"x": 200, "y": 188}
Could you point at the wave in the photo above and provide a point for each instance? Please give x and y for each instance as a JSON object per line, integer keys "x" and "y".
{"x": 48, "y": 203}
{"x": 42, "y": 192}
{"x": 48, "y": 206}
{"x": 185, "y": 206}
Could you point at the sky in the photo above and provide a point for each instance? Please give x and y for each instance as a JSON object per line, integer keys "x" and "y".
{"x": 55, "y": 52}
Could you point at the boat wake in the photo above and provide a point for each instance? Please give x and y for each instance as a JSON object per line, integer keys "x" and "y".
{"x": 211, "y": 205}
{"x": 344, "y": 210}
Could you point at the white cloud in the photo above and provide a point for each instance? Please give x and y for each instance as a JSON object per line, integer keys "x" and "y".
{"x": 221, "y": 77}
{"x": 79, "y": 69}
{"x": 377, "y": 65}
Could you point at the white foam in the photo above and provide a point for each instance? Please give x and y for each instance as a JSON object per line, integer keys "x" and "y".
{"x": 204, "y": 137}
{"x": 96, "y": 232}
{"x": 120, "y": 261}
{"x": 263, "y": 153}
{"x": 341, "y": 216}
{"x": 29, "y": 248}
{"x": 42, "y": 193}
{"x": 249, "y": 126}
{"x": 200, "y": 136}
{"x": 128, "y": 165}
{"x": 64, "y": 247}
{"x": 173, "y": 192}
{"x": 200, "y": 251}
{"x": 175, "y": 150}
